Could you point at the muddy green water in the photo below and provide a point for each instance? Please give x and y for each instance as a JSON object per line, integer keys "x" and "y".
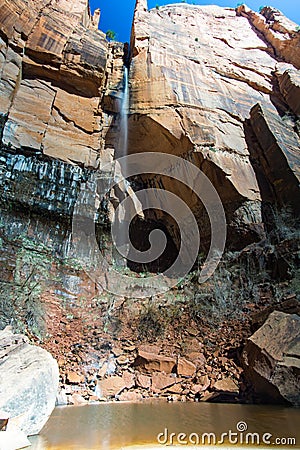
{"x": 123, "y": 425}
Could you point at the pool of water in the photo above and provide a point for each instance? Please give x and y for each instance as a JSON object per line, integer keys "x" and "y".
{"x": 151, "y": 425}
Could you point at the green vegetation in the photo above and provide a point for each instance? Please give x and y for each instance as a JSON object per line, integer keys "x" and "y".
{"x": 261, "y": 8}
{"x": 20, "y": 300}
{"x": 111, "y": 35}
{"x": 297, "y": 28}
{"x": 197, "y": 39}
{"x": 157, "y": 6}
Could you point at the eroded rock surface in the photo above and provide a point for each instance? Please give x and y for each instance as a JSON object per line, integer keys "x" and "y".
{"x": 53, "y": 63}
{"x": 271, "y": 359}
{"x": 28, "y": 382}
{"x": 192, "y": 99}
{"x": 53, "y": 68}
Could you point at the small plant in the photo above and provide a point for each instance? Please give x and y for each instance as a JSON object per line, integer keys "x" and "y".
{"x": 261, "y": 8}
{"x": 197, "y": 39}
{"x": 297, "y": 29}
{"x": 157, "y": 6}
{"x": 150, "y": 323}
{"x": 111, "y": 35}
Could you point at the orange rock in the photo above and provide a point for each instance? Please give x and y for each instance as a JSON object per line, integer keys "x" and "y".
{"x": 77, "y": 400}
{"x": 160, "y": 382}
{"x": 175, "y": 389}
{"x": 74, "y": 378}
{"x": 185, "y": 368}
{"x": 102, "y": 371}
{"x": 152, "y": 362}
{"x": 114, "y": 385}
{"x": 150, "y": 348}
{"x": 129, "y": 379}
{"x": 143, "y": 381}
{"x": 226, "y": 384}
{"x": 117, "y": 351}
{"x": 123, "y": 359}
{"x": 197, "y": 357}
{"x": 111, "y": 386}
{"x": 130, "y": 397}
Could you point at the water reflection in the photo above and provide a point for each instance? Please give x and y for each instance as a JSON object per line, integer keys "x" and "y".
{"x": 121, "y": 425}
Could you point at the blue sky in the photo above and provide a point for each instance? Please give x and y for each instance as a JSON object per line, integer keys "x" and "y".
{"x": 117, "y": 14}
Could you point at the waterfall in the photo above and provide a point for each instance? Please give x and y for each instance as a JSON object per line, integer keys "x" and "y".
{"x": 124, "y": 115}
{"x": 120, "y": 171}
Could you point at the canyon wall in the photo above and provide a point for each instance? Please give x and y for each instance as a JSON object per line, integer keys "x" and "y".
{"x": 216, "y": 86}
{"x": 220, "y": 87}
{"x": 54, "y": 69}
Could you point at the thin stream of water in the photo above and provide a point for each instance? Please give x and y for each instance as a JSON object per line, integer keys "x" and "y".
{"x": 121, "y": 239}
{"x": 124, "y": 115}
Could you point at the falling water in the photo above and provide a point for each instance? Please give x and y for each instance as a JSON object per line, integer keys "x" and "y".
{"x": 120, "y": 174}
{"x": 124, "y": 115}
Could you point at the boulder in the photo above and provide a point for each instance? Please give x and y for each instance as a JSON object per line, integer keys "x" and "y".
{"x": 143, "y": 381}
{"x": 111, "y": 386}
{"x": 114, "y": 385}
{"x": 271, "y": 359}
{"x": 12, "y": 438}
{"x": 129, "y": 379}
{"x": 151, "y": 362}
{"x": 185, "y": 368}
{"x": 130, "y": 397}
{"x": 226, "y": 385}
{"x": 28, "y": 381}
{"x": 74, "y": 378}
{"x": 202, "y": 385}
{"x": 160, "y": 382}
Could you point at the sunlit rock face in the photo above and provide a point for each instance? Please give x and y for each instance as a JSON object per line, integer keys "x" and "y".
{"x": 209, "y": 84}
{"x": 53, "y": 63}
{"x": 197, "y": 74}
{"x": 53, "y": 68}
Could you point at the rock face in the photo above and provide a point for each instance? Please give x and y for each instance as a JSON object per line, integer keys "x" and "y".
{"x": 28, "y": 382}
{"x": 60, "y": 92}
{"x": 280, "y": 32}
{"x": 54, "y": 64}
{"x": 193, "y": 99}
{"x": 53, "y": 67}
{"x": 271, "y": 359}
